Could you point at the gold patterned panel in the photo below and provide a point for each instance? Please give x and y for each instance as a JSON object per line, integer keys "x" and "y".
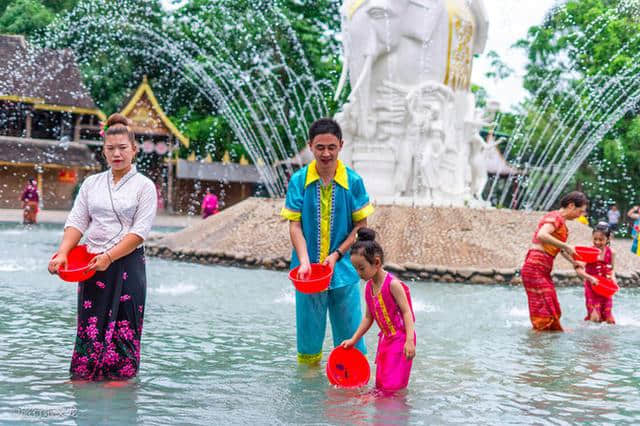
{"x": 144, "y": 115}
{"x": 459, "y": 51}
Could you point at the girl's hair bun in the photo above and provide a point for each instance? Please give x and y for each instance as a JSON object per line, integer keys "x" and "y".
{"x": 366, "y": 234}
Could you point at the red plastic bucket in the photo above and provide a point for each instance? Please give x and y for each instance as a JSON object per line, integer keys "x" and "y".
{"x": 587, "y": 254}
{"x": 605, "y": 287}
{"x": 348, "y": 368}
{"x": 318, "y": 280}
{"x": 77, "y": 265}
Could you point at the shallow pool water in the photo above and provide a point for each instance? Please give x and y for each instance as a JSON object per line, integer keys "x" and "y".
{"x": 219, "y": 348}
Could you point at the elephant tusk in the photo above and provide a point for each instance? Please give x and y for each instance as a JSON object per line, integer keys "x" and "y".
{"x": 342, "y": 81}
{"x": 366, "y": 69}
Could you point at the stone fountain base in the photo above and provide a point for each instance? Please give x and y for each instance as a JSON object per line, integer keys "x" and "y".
{"x": 444, "y": 244}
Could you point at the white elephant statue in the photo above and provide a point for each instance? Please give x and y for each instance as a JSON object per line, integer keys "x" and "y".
{"x": 409, "y": 67}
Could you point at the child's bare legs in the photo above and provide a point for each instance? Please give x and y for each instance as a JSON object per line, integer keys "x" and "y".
{"x": 595, "y": 316}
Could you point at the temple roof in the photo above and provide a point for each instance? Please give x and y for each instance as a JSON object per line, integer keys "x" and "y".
{"x": 147, "y": 116}
{"x": 48, "y": 79}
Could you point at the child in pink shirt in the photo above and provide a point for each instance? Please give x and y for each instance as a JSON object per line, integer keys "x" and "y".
{"x": 389, "y": 303}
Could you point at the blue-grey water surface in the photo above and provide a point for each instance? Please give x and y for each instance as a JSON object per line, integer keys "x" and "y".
{"x": 219, "y": 348}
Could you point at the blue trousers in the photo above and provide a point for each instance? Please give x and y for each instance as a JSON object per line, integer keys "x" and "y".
{"x": 345, "y": 314}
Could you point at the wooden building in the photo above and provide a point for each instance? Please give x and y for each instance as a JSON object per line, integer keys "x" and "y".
{"x": 48, "y": 120}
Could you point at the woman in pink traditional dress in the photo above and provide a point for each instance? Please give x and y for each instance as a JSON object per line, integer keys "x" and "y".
{"x": 30, "y": 200}
{"x": 389, "y": 303}
{"x": 599, "y": 307}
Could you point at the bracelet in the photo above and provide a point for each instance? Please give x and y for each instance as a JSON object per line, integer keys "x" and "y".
{"x": 109, "y": 256}
{"x": 340, "y": 254}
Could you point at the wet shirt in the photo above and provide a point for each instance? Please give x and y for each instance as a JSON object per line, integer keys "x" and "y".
{"x": 561, "y": 231}
{"x": 104, "y": 224}
{"x": 328, "y": 214}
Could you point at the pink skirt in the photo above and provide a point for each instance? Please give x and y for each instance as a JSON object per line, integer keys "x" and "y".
{"x": 392, "y": 367}
{"x": 599, "y": 304}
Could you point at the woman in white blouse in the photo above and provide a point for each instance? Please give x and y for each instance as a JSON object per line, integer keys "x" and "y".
{"x": 114, "y": 211}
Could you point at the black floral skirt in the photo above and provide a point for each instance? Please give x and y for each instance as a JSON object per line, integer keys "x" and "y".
{"x": 110, "y": 312}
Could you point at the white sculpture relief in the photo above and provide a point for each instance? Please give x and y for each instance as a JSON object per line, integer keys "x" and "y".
{"x": 406, "y": 121}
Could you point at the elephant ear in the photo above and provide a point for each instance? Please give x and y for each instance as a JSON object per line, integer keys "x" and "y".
{"x": 423, "y": 17}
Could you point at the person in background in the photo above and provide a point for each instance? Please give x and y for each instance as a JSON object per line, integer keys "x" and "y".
{"x": 209, "y": 204}
{"x": 634, "y": 214}
{"x": 30, "y": 200}
{"x": 160, "y": 196}
{"x": 613, "y": 217}
{"x": 583, "y": 220}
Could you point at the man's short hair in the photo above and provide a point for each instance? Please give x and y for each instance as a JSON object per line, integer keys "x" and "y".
{"x": 323, "y": 126}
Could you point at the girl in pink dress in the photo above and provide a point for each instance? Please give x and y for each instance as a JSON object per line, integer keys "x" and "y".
{"x": 389, "y": 303}
{"x": 599, "y": 307}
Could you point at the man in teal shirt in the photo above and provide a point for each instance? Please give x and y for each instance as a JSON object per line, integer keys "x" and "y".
{"x": 326, "y": 204}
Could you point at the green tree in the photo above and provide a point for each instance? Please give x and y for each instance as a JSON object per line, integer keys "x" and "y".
{"x": 59, "y": 6}
{"x": 24, "y": 17}
{"x": 499, "y": 69}
{"x": 317, "y": 23}
{"x": 105, "y": 37}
